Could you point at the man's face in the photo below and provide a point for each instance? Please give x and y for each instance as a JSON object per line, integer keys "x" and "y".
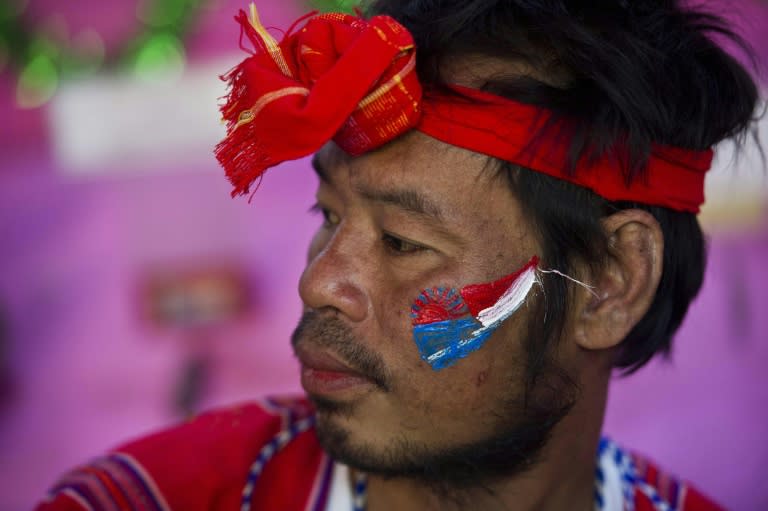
{"x": 416, "y": 214}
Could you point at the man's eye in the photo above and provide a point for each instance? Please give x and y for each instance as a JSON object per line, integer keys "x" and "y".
{"x": 330, "y": 219}
{"x": 400, "y": 246}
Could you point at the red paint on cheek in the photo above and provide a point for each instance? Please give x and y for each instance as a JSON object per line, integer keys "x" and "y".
{"x": 481, "y": 296}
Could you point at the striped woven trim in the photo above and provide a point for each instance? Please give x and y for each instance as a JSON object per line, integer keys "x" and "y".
{"x": 113, "y": 483}
{"x": 666, "y": 492}
{"x": 649, "y": 491}
{"x": 319, "y": 496}
{"x": 275, "y": 445}
{"x": 659, "y": 486}
{"x": 77, "y": 498}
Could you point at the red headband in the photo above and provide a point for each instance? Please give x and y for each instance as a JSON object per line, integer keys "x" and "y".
{"x": 353, "y": 81}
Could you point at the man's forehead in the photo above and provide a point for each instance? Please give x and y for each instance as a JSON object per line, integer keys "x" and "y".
{"x": 414, "y": 161}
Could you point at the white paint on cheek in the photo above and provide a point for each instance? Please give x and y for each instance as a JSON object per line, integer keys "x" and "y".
{"x": 510, "y": 301}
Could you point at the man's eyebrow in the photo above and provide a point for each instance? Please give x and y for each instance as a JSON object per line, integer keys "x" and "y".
{"x": 407, "y": 199}
{"x": 321, "y": 171}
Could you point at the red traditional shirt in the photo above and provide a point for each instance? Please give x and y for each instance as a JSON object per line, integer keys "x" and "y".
{"x": 208, "y": 463}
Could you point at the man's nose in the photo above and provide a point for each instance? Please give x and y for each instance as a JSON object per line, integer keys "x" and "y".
{"x": 335, "y": 277}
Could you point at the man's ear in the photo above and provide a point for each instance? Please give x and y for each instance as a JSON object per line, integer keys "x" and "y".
{"x": 625, "y": 285}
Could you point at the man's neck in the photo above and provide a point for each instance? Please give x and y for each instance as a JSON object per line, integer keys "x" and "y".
{"x": 541, "y": 488}
{"x": 562, "y": 479}
{"x": 520, "y": 494}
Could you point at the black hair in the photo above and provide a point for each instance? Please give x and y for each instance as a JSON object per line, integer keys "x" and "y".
{"x": 621, "y": 73}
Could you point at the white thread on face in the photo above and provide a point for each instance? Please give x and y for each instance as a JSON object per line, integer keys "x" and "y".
{"x": 586, "y": 286}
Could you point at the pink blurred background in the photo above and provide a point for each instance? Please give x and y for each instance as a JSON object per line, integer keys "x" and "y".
{"x": 83, "y": 367}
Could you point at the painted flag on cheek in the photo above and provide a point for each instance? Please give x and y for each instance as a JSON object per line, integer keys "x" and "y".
{"x": 449, "y": 323}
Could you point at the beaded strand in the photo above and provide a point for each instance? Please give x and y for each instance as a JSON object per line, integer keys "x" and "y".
{"x": 360, "y": 492}
{"x": 266, "y": 453}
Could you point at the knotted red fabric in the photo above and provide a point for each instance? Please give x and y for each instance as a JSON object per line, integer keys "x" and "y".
{"x": 353, "y": 81}
{"x": 338, "y": 78}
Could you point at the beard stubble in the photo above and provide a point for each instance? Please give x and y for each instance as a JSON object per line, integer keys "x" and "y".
{"x": 525, "y": 422}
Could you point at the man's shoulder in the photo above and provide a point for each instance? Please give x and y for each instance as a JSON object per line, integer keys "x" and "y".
{"x": 198, "y": 464}
{"x": 658, "y": 489}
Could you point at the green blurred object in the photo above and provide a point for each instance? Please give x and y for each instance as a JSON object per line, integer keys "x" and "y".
{"x": 347, "y": 6}
{"x": 170, "y": 13}
{"x": 42, "y": 57}
{"x": 161, "y": 54}
{"x": 37, "y": 83}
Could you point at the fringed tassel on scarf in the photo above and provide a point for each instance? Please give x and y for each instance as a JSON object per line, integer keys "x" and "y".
{"x": 241, "y": 152}
{"x": 338, "y": 78}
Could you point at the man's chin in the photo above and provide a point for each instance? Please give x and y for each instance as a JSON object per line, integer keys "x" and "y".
{"x": 330, "y": 409}
{"x": 350, "y": 434}
{"x": 342, "y": 438}
{"x": 458, "y": 467}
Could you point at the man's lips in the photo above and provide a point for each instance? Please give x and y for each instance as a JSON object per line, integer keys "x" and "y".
{"x": 322, "y": 361}
{"x": 322, "y": 373}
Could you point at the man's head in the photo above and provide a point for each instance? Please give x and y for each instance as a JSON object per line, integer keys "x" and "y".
{"x": 619, "y": 79}
{"x": 419, "y": 213}
{"x": 414, "y": 214}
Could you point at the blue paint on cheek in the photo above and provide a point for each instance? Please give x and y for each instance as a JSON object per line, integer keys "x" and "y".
{"x": 443, "y": 343}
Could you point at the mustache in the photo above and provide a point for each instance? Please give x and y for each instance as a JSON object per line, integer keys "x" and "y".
{"x": 316, "y": 330}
